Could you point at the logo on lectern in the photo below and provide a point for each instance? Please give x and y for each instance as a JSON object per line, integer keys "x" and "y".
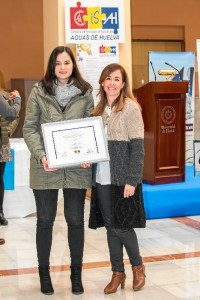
{"x": 168, "y": 114}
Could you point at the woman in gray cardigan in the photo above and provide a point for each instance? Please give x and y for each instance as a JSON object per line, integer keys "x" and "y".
{"x": 116, "y": 200}
{"x": 61, "y": 95}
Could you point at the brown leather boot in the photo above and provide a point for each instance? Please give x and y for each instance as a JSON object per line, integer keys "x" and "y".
{"x": 2, "y": 241}
{"x": 117, "y": 279}
{"x": 138, "y": 277}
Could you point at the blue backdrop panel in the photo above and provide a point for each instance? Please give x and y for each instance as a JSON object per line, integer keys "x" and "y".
{"x": 9, "y": 173}
{"x": 174, "y": 199}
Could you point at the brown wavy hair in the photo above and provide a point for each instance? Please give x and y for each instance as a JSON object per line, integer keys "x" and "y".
{"x": 124, "y": 93}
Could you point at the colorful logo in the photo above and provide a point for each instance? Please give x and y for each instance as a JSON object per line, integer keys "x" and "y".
{"x": 107, "y": 49}
{"x": 94, "y": 17}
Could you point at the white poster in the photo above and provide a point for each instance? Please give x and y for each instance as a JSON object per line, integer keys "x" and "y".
{"x": 176, "y": 66}
{"x": 198, "y": 62}
{"x": 92, "y": 58}
{"x": 94, "y": 21}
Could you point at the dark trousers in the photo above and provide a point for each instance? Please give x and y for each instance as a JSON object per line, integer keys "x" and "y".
{"x": 117, "y": 238}
{"x": 46, "y": 203}
{"x": 2, "y": 169}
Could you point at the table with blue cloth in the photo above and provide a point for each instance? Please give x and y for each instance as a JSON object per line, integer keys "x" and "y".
{"x": 173, "y": 199}
{"x": 18, "y": 198}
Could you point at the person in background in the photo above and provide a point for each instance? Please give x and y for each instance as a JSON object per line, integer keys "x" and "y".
{"x": 10, "y": 104}
{"x": 61, "y": 95}
{"x": 9, "y": 109}
{"x": 116, "y": 197}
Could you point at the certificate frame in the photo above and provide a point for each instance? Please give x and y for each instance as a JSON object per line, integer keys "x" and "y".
{"x": 72, "y": 142}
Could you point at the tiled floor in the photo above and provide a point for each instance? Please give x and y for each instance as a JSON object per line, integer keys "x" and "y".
{"x": 170, "y": 250}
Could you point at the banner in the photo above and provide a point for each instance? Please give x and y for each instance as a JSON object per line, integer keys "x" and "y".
{"x": 94, "y": 21}
{"x": 197, "y": 157}
{"x": 176, "y": 66}
{"x": 198, "y": 62}
{"x": 92, "y": 58}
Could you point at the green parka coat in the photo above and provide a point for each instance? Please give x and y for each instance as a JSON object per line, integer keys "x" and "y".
{"x": 43, "y": 108}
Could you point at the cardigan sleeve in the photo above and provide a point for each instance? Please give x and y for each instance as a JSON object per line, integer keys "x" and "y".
{"x": 135, "y": 128}
{"x": 7, "y": 111}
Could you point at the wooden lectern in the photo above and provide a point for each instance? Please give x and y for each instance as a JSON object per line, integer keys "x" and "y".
{"x": 163, "y": 110}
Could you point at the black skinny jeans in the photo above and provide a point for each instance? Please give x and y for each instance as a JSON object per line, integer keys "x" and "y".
{"x": 2, "y": 169}
{"x": 46, "y": 203}
{"x": 117, "y": 238}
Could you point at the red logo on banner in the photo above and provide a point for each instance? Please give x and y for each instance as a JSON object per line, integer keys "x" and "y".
{"x": 76, "y": 17}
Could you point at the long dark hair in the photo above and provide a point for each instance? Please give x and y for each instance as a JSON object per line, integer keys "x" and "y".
{"x": 125, "y": 91}
{"x": 49, "y": 78}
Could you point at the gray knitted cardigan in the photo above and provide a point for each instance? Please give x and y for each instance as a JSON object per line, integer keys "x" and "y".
{"x": 125, "y": 144}
{"x": 126, "y": 149}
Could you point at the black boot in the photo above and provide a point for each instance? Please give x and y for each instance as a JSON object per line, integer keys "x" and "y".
{"x": 77, "y": 286}
{"x": 3, "y": 220}
{"x": 45, "y": 281}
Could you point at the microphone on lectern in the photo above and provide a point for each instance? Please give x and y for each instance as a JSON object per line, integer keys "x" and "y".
{"x": 153, "y": 69}
{"x": 179, "y": 73}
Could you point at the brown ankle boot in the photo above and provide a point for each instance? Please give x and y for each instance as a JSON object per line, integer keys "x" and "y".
{"x": 138, "y": 277}
{"x": 2, "y": 241}
{"x": 117, "y": 279}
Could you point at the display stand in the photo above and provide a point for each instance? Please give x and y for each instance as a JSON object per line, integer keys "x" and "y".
{"x": 163, "y": 110}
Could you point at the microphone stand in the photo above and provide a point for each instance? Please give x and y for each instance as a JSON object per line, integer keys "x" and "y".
{"x": 153, "y": 70}
{"x": 175, "y": 69}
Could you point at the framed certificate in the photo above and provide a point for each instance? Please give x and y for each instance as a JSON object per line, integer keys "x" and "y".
{"x": 73, "y": 142}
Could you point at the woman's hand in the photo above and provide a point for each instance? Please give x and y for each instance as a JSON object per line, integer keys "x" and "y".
{"x": 13, "y": 94}
{"x": 85, "y": 165}
{"x": 129, "y": 190}
{"x": 45, "y": 165}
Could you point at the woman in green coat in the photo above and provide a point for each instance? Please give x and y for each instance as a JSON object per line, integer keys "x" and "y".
{"x": 61, "y": 95}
